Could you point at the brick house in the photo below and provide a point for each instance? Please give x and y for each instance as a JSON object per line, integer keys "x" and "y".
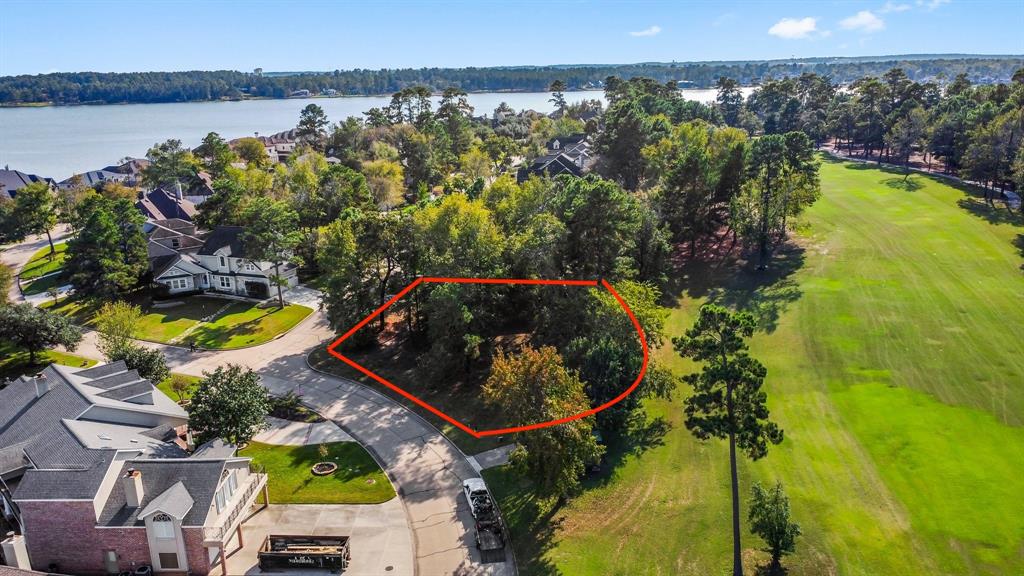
{"x": 96, "y": 478}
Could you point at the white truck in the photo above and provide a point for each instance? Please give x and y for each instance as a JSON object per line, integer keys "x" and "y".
{"x": 490, "y": 538}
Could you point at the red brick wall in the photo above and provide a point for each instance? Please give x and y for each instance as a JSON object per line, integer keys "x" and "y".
{"x": 65, "y": 534}
{"x": 198, "y": 557}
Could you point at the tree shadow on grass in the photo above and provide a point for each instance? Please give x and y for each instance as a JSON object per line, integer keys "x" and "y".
{"x": 991, "y": 213}
{"x": 642, "y": 434}
{"x": 906, "y": 184}
{"x": 764, "y": 293}
{"x": 768, "y": 570}
{"x": 1018, "y": 243}
{"x": 532, "y": 521}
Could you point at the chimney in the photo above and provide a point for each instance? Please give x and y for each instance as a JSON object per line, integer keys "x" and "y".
{"x": 132, "y": 482}
{"x": 177, "y": 189}
{"x": 42, "y": 385}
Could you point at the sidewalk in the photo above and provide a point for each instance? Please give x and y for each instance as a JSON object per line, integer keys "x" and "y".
{"x": 288, "y": 433}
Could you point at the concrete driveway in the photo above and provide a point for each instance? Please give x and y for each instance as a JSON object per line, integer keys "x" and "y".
{"x": 425, "y": 467}
{"x": 380, "y": 541}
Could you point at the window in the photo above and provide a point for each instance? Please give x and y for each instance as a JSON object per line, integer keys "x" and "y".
{"x": 163, "y": 526}
{"x": 220, "y": 501}
{"x": 233, "y": 481}
{"x": 178, "y": 283}
{"x": 250, "y": 267}
{"x": 222, "y": 262}
{"x": 168, "y": 560}
{"x": 224, "y": 281}
{"x": 175, "y": 243}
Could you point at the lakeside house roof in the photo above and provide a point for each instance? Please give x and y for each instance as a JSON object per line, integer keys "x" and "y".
{"x": 92, "y": 178}
{"x": 13, "y": 180}
{"x": 131, "y": 166}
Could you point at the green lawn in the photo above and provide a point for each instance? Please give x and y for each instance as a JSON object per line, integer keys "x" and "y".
{"x": 41, "y": 285}
{"x": 892, "y": 339}
{"x": 165, "y": 387}
{"x": 243, "y": 324}
{"x": 41, "y": 263}
{"x": 14, "y": 362}
{"x": 237, "y": 325}
{"x": 358, "y": 479}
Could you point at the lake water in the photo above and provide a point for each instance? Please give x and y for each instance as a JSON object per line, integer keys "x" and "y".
{"x": 58, "y": 141}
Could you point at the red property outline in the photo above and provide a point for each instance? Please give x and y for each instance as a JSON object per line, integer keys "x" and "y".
{"x": 495, "y": 432}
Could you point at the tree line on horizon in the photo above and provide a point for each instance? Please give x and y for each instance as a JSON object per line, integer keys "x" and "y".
{"x": 419, "y": 190}
{"x": 193, "y": 86}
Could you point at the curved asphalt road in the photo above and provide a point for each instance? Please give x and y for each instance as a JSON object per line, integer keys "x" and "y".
{"x": 425, "y": 467}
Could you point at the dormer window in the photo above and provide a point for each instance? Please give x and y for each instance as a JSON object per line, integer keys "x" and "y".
{"x": 163, "y": 526}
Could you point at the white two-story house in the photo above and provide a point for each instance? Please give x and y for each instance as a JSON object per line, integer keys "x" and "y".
{"x": 221, "y": 266}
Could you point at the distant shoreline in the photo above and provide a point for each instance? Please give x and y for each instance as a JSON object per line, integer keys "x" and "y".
{"x": 257, "y": 98}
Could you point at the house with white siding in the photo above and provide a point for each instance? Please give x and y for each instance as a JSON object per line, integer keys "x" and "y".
{"x": 220, "y": 265}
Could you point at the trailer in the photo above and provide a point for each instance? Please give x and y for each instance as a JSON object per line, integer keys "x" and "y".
{"x": 281, "y": 552}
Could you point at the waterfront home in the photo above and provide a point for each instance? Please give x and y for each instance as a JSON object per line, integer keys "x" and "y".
{"x": 93, "y": 179}
{"x": 13, "y": 180}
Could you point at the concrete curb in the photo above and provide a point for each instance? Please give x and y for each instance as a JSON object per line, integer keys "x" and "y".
{"x": 508, "y": 540}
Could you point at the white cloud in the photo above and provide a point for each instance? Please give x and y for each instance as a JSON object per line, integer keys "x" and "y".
{"x": 865, "y": 21}
{"x": 652, "y": 31}
{"x": 893, "y": 7}
{"x": 932, "y": 4}
{"x": 793, "y": 28}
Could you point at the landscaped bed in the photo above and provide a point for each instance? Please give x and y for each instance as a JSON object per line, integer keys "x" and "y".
{"x": 235, "y": 323}
{"x": 358, "y": 479}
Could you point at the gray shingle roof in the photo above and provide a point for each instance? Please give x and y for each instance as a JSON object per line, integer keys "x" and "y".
{"x": 221, "y": 237}
{"x": 198, "y": 477}
{"x": 36, "y": 430}
{"x": 80, "y": 484}
{"x": 103, "y": 370}
{"x": 130, "y": 391}
{"x": 13, "y": 458}
{"x": 159, "y": 204}
{"x": 116, "y": 380}
{"x": 13, "y": 180}
{"x": 216, "y": 448}
{"x": 175, "y": 502}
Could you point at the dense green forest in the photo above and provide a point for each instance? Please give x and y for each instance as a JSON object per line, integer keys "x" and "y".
{"x": 138, "y": 87}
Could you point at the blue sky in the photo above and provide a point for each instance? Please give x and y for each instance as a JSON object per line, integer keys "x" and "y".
{"x": 44, "y": 36}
